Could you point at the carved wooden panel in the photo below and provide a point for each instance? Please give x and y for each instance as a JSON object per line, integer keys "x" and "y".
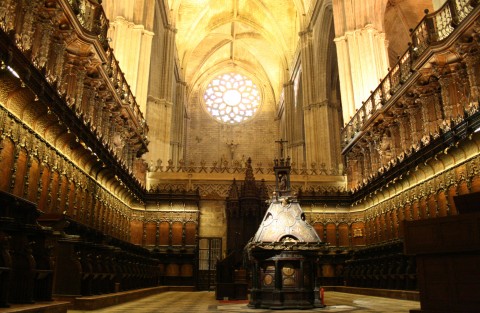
{"x": 289, "y": 275}
{"x": 71, "y": 197}
{"x": 33, "y": 177}
{"x": 164, "y": 234}
{"x": 52, "y": 196}
{"x": 136, "y": 232}
{"x": 462, "y": 188}
{"x": 172, "y": 270}
{"x": 151, "y": 233}
{"x": 422, "y": 207}
{"x": 415, "y": 210}
{"x": 101, "y": 219}
{"x": 177, "y": 230}
{"x": 186, "y": 270}
{"x": 62, "y": 193}
{"x": 369, "y": 231}
{"x": 378, "y": 230}
{"x": 332, "y": 234}
{"x": 432, "y": 205}
{"x": 452, "y": 192}
{"x": 328, "y": 270}
{"x": 319, "y": 229}
{"x": 268, "y": 277}
{"x": 88, "y": 210}
{"x": 395, "y": 223}
{"x": 358, "y": 234}
{"x": 161, "y": 269}
{"x": 44, "y": 180}
{"x": 21, "y": 170}
{"x": 94, "y": 219}
{"x": 77, "y": 202}
{"x": 442, "y": 203}
{"x": 6, "y": 164}
{"x": 387, "y": 226}
{"x": 87, "y": 202}
{"x": 475, "y": 184}
{"x": 343, "y": 234}
{"x": 401, "y": 218}
{"x": 190, "y": 233}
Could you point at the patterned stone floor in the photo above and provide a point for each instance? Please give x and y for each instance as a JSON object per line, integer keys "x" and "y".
{"x": 204, "y": 302}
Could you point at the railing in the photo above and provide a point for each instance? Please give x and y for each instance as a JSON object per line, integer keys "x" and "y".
{"x": 433, "y": 28}
{"x": 92, "y": 17}
{"x": 67, "y": 40}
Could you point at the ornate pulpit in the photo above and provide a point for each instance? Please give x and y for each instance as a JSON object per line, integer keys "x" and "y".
{"x": 283, "y": 253}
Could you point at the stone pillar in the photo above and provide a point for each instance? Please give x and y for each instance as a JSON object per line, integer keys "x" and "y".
{"x": 178, "y": 124}
{"x": 437, "y": 4}
{"x": 167, "y": 71}
{"x": 161, "y": 96}
{"x": 293, "y": 119}
{"x": 132, "y": 45}
{"x": 362, "y": 63}
{"x": 143, "y": 75}
{"x": 316, "y": 134}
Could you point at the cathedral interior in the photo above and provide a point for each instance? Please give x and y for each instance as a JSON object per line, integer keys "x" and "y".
{"x": 138, "y": 168}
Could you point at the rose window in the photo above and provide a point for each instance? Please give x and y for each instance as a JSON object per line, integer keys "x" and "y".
{"x": 232, "y": 98}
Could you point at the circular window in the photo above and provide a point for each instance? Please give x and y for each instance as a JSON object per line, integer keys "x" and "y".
{"x": 232, "y": 98}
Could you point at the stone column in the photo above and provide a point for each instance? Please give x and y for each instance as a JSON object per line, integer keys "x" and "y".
{"x": 289, "y": 103}
{"x": 362, "y": 63}
{"x": 178, "y": 124}
{"x": 161, "y": 96}
{"x": 159, "y": 118}
{"x": 143, "y": 75}
{"x": 132, "y": 45}
{"x": 437, "y": 4}
{"x": 321, "y": 132}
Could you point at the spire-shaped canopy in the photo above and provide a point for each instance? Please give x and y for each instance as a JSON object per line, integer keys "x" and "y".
{"x": 285, "y": 222}
{"x": 250, "y": 186}
{"x": 233, "y": 193}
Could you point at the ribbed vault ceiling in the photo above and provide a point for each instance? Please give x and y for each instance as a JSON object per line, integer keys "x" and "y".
{"x": 258, "y": 37}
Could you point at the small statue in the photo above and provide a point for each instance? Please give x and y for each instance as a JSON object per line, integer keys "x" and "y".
{"x": 282, "y": 182}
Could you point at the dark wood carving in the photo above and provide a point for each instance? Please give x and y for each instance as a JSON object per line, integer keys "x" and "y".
{"x": 26, "y": 266}
{"x": 245, "y": 209}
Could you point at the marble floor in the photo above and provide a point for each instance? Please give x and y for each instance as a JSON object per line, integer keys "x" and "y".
{"x": 204, "y": 301}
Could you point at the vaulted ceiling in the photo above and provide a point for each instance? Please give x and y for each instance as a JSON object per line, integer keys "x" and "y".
{"x": 258, "y": 37}
{"x": 255, "y": 37}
